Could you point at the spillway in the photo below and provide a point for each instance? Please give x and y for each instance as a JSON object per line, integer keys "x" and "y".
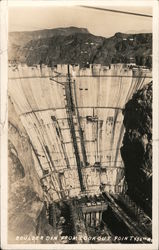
{"x": 74, "y": 121}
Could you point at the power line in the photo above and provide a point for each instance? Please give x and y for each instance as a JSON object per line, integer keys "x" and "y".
{"x": 118, "y": 11}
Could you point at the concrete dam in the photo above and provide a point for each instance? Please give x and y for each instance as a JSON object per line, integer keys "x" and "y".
{"x": 73, "y": 117}
{"x": 74, "y": 125}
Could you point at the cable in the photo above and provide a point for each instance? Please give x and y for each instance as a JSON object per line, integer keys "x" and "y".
{"x": 117, "y": 11}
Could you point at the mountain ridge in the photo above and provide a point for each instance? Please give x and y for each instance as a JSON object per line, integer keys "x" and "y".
{"x": 78, "y": 46}
{"x": 44, "y": 33}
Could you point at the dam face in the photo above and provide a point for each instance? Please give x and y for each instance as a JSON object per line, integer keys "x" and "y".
{"x": 74, "y": 121}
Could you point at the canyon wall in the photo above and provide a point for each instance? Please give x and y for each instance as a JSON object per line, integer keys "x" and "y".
{"x": 136, "y": 150}
{"x": 26, "y": 209}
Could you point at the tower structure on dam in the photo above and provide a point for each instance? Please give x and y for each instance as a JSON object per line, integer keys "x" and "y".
{"x": 73, "y": 117}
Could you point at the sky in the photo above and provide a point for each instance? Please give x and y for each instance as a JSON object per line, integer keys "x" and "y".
{"x": 100, "y": 23}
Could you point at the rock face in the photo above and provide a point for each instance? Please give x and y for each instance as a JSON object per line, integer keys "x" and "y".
{"x": 137, "y": 143}
{"x": 25, "y": 195}
{"x": 77, "y": 46}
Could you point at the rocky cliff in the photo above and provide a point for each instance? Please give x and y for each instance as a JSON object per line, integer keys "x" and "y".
{"x": 137, "y": 144}
{"x": 26, "y": 210}
{"x": 77, "y": 46}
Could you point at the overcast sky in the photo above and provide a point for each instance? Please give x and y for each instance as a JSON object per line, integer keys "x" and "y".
{"x": 97, "y": 22}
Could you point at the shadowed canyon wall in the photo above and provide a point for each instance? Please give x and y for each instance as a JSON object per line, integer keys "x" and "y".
{"x": 137, "y": 145}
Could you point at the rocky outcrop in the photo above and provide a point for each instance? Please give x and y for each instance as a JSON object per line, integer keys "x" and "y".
{"x": 77, "y": 46}
{"x": 25, "y": 196}
{"x": 126, "y": 48}
{"x": 137, "y": 144}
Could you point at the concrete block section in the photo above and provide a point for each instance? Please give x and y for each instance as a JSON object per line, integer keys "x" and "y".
{"x": 75, "y": 123}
